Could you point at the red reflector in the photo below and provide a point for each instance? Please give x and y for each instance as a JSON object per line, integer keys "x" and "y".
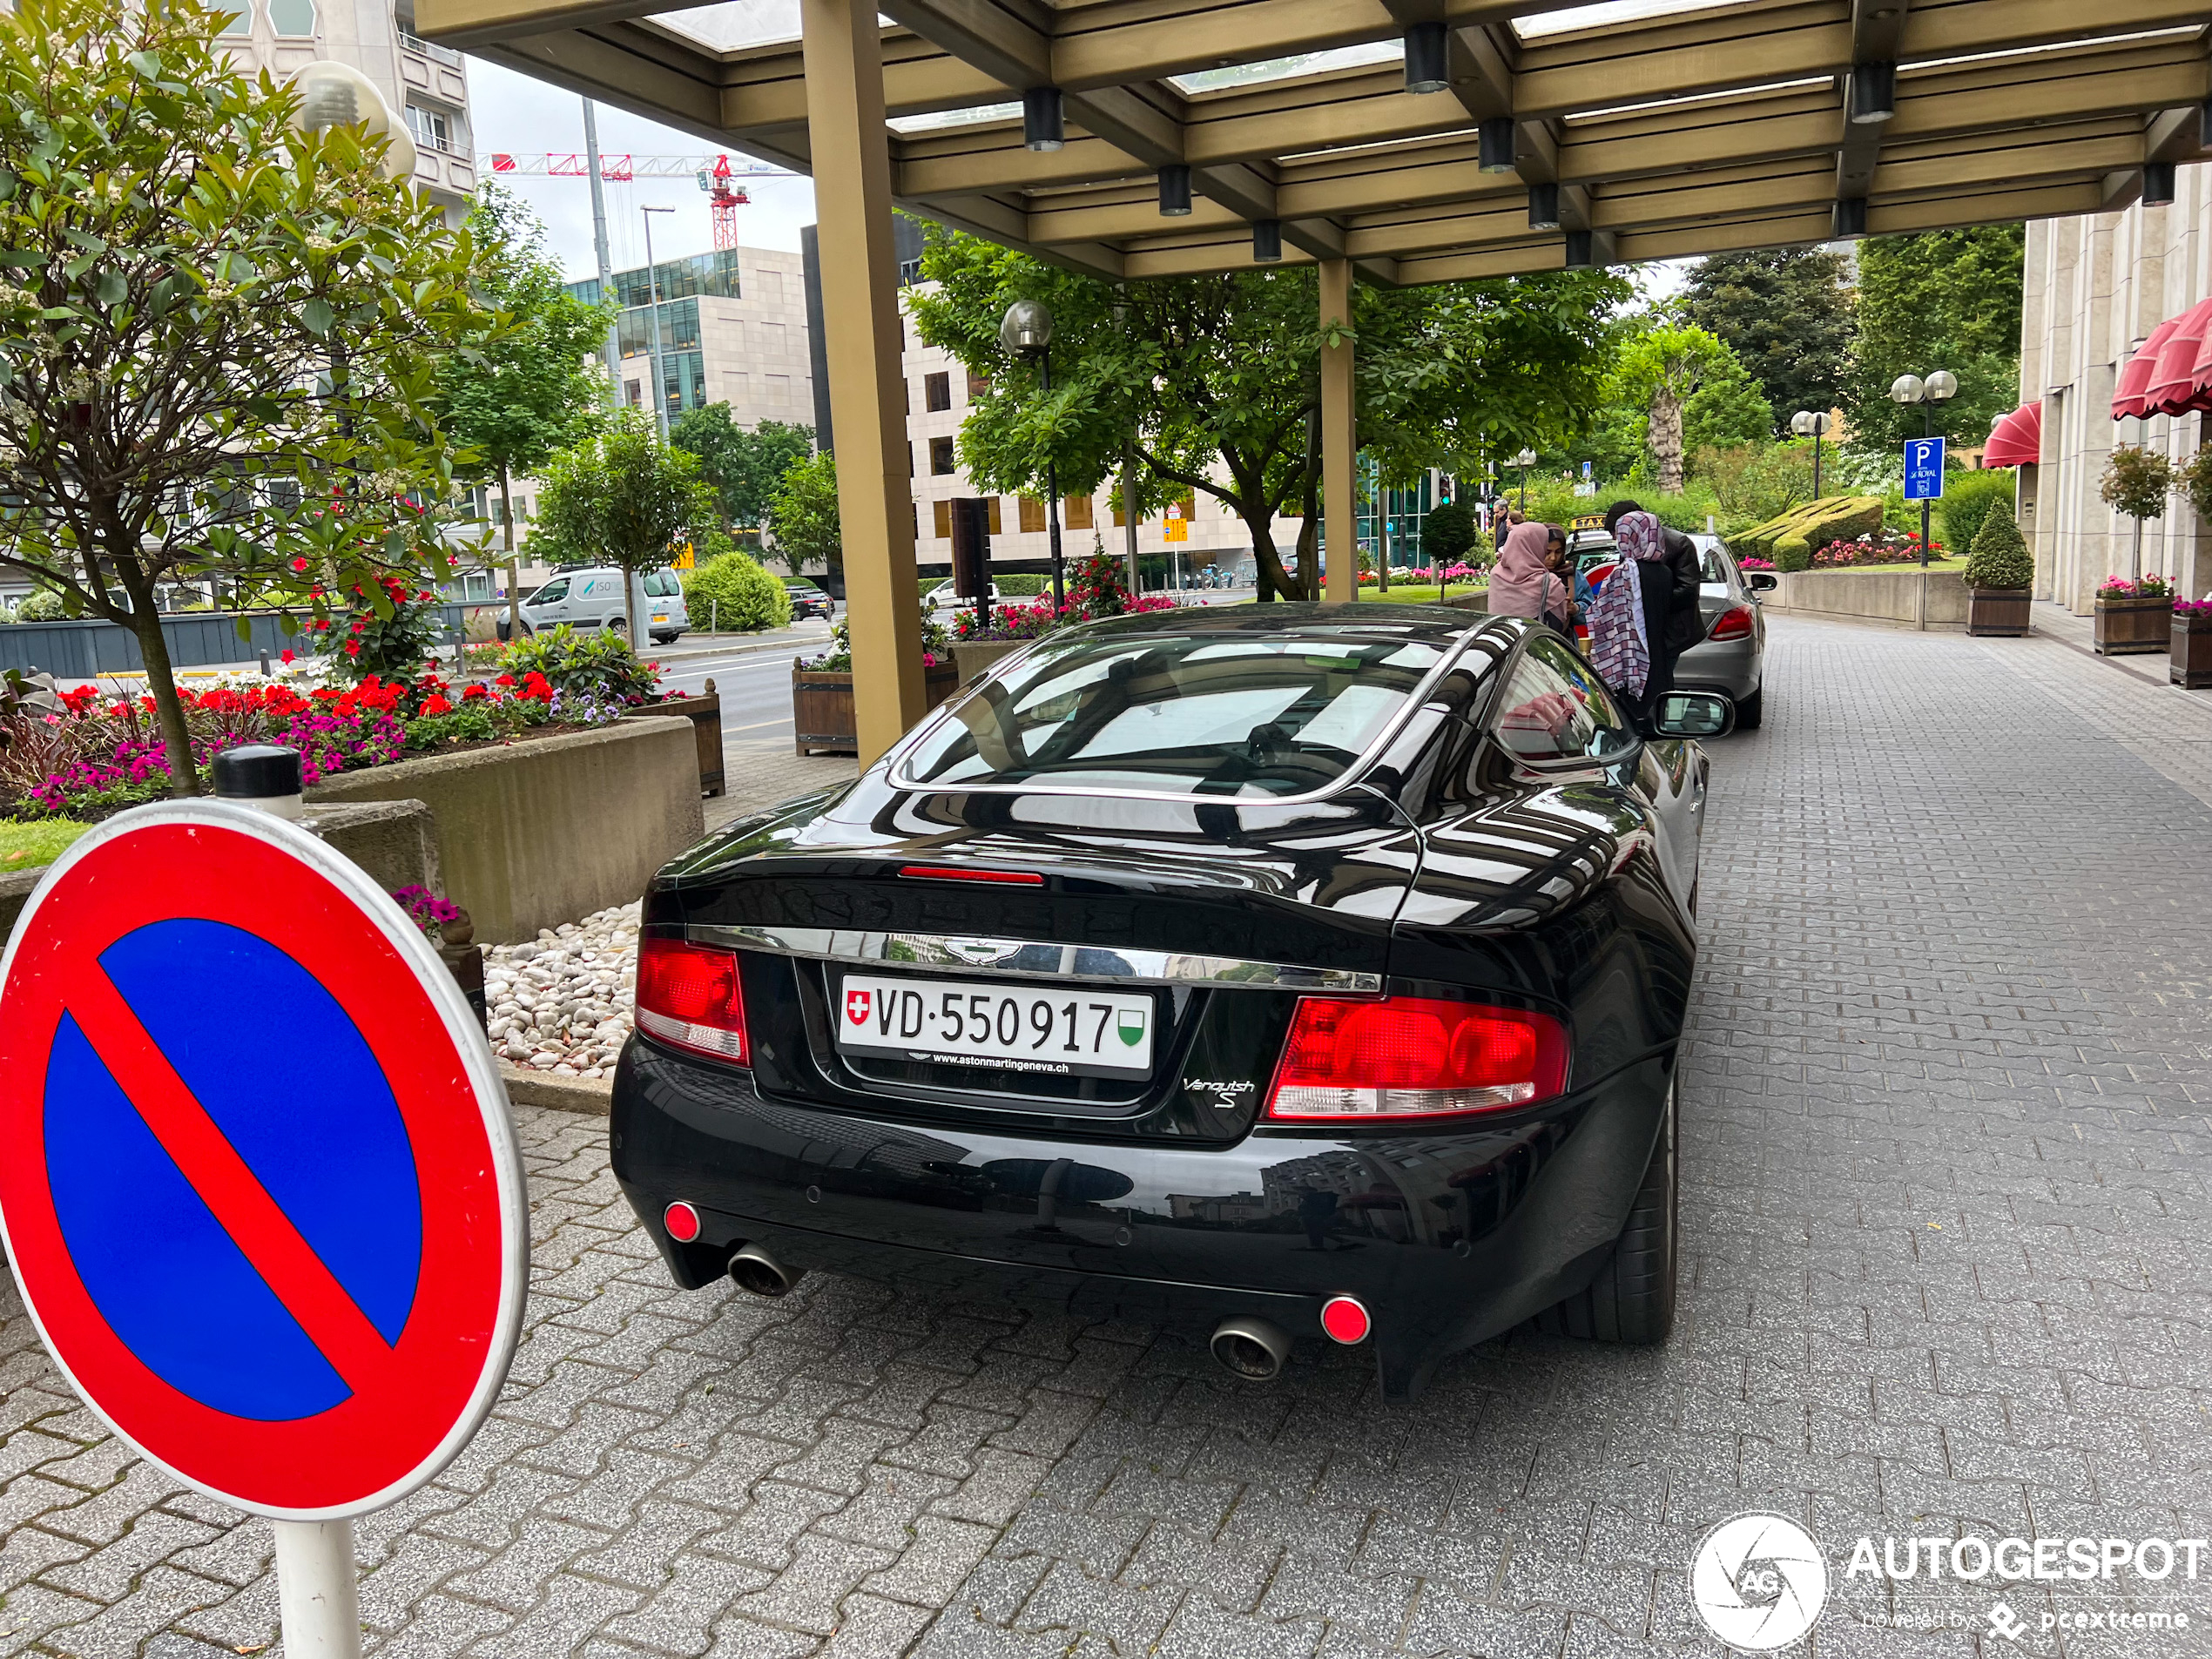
{"x": 688, "y": 995}
{"x": 683, "y": 1223}
{"x": 1345, "y": 1320}
{"x": 1734, "y": 623}
{"x": 940, "y": 873}
{"x": 1414, "y": 1056}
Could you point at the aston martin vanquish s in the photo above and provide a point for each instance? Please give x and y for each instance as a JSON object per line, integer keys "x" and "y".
{"x": 1318, "y": 970}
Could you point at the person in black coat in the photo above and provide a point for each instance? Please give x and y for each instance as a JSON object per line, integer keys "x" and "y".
{"x": 1673, "y": 620}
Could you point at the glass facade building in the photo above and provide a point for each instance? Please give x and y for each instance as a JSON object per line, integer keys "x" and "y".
{"x": 682, "y": 284}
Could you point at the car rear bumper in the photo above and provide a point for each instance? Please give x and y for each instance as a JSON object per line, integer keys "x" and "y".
{"x": 1449, "y": 1235}
{"x": 1729, "y": 666}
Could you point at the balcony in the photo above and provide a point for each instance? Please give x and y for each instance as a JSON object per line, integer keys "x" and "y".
{"x": 422, "y": 48}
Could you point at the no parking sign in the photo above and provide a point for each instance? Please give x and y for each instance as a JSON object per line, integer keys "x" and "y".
{"x": 257, "y": 1178}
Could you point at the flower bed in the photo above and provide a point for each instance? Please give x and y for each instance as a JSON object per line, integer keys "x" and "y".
{"x": 1883, "y": 546}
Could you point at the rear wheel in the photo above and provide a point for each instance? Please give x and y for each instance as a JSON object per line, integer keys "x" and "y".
{"x": 1632, "y": 1298}
{"x": 1752, "y": 711}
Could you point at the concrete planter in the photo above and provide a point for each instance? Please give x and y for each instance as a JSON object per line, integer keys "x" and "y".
{"x": 2190, "y": 642}
{"x": 2132, "y": 627}
{"x": 821, "y": 706}
{"x": 1933, "y": 601}
{"x": 533, "y": 833}
{"x": 973, "y": 660}
{"x": 1997, "y": 612}
{"x": 705, "y": 715}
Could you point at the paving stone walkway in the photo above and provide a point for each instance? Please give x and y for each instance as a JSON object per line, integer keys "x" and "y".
{"x": 1949, "y": 1271}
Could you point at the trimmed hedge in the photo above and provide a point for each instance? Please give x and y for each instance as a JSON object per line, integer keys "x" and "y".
{"x": 733, "y": 593}
{"x": 1969, "y": 498}
{"x": 1789, "y": 540}
{"x": 2001, "y": 559}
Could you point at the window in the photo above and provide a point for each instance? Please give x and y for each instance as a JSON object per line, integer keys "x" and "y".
{"x": 937, "y": 391}
{"x": 433, "y": 129}
{"x": 1556, "y": 707}
{"x": 977, "y": 385}
{"x": 293, "y": 19}
{"x": 940, "y": 518}
{"x": 1203, "y": 714}
{"x": 941, "y": 462}
{"x": 1075, "y": 513}
{"x": 992, "y": 515}
{"x": 1032, "y": 513}
{"x": 551, "y": 594}
{"x": 241, "y": 21}
{"x": 635, "y": 391}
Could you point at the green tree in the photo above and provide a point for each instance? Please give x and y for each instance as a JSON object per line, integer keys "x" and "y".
{"x": 1786, "y": 314}
{"x": 1215, "y": 378}
{"x": 1692, "y": 391}
{"x": 218, "y": 334}
{"x": 525, "y": 390}
{"x": 744, "y": 467}
{"x": 802, "y": 515}
{"x": 1449, "y": 534}
{"x": 624, "y": 496}
{"x": 1941, "y": 299}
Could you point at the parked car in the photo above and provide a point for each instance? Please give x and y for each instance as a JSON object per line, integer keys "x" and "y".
{"x": 586, "y": 596}
{"x": 1320, "y": 976}
{"x": 1731, "y": 657}
{"x": 807, "y": 600}
{"x": 943, "y": 600}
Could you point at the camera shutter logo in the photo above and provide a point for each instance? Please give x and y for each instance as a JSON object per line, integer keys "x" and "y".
{"x": 1758, "y": 1582}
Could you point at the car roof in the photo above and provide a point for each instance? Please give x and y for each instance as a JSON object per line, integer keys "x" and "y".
{"x": 1365, "y": 619}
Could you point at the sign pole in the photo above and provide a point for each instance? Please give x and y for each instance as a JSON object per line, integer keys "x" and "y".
{"x": 316, "y": 1591}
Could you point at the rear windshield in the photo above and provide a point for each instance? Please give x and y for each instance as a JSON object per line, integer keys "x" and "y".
{"x": 1201, "y": 714}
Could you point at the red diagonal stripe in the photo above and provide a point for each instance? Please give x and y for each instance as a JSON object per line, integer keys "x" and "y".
{"x": 241, "y": 1205}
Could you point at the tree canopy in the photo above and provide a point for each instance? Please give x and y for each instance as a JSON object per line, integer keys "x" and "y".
{"x": 623, "y": 496}
{"x": 744, "y": 467}
{"x": 1691, "y": 390}
{"x": 1941, "y": 299}
{"x": 1215, "y": 378}
{"x": 803, "y": 526}
{"x": 1787, "y": 315}
{"x": 220, "y": 334}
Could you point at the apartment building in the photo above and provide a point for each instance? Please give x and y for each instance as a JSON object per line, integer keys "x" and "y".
{"x": 428, "y": 84}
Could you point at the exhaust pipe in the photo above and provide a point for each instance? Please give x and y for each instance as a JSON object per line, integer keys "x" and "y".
{"x": 753, "y": 1268}
{"x": 1250, "y": 1347}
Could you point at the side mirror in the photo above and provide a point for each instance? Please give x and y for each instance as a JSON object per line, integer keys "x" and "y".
{"x": 1693, "y": 714}
{"x": 1762, "y": 581}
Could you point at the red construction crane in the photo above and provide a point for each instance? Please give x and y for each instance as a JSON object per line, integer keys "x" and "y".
{"x": 714, "y": 174}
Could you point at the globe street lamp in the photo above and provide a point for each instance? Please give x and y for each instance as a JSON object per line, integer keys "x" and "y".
{"x": 1026, "y": 330}
{"x": 1806, "y": 424}
{"x": 1525, "y": 459}
{"x": 1908, "y": 390}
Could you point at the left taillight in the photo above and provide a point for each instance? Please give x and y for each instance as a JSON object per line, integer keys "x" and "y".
{"x": 688, "y": 996}
{"x": 1732, "y": 624}
{"x": 1413, "y": 1058}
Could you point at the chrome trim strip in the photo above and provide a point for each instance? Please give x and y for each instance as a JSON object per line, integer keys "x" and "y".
{"x": 1031, "y": 958}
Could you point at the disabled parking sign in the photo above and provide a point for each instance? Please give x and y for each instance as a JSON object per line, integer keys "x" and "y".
{"x": 257, "y": 1177}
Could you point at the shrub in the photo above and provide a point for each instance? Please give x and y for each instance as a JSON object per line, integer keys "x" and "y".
{"x": 41, "y": 605}
{"x": 379, "y": 647}
{"x": 599, "y": 665}
{"x": 2136, "y": 481}
{"x": 2000, "y": 558}
{"x": 2195, "y": 482}
{"x": 733, "y": 593}
{"x": 1755, "y": 481}
{"x": 1968, "y": 500}
{"x": 1449, "y": 533}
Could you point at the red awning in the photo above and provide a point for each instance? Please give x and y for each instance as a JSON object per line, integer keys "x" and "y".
{"x": 2017, "y": 439}
{"x": 2129, "y": 391}
{"x": 2173, "y": 383}
{"x": 2201, "y": 397}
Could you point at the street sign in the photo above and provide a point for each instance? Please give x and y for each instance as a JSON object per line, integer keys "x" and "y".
{"x": 1176, "y": 528}
{"x": 257, "y": 1178}
{"x": 1923, "y": 470}
{"x": 684, "y": 559}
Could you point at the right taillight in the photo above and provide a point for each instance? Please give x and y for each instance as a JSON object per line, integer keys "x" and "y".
{"x": 1734, "y": 623}
{"x": 688, "y": 995}
{"x": 1412, "y": 1057}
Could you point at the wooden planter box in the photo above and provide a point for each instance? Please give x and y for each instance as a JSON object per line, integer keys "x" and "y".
{"x": 1997, "y": 612}
{"x": 2129, "y": 627}
{"x": 2191, "y": 642}
{"x": 821, "y": 706}
{"x": 705, "y": 715}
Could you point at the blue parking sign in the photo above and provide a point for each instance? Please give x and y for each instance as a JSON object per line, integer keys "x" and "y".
{"x": 1923, "y": 470}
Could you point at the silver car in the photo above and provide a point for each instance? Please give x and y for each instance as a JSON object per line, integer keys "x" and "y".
{"x": 1731, "y": 659}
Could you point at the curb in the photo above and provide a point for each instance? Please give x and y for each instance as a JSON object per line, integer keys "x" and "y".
{"x": 590, "y": 1096}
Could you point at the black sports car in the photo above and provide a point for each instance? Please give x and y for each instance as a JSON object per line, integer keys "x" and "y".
{"x": 1319, "y": 968}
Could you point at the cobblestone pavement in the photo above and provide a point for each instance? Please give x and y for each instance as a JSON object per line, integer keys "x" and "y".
{"x": 1949, "y": 1272}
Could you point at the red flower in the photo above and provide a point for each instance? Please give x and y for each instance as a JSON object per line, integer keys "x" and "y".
{"x": 352, "y": 648}
{"x": 300, "y": 567}
{"x": 473, "y": 692}
{"x": 438, "y": 705}
{"x": 285, "y": 658}
{"x": 505, "y": 679}
{"x": 424, "y": 596}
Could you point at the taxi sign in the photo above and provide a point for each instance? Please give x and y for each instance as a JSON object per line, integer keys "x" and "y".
{"x": 257, "y": 1178}
{"x": 1590, "y": 521}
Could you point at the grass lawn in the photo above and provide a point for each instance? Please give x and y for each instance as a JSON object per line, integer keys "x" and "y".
{"x": 1402, "y": 594}
{"x": 25, "y": 847}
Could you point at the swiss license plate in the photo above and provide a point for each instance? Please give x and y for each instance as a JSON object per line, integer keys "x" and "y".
{"x": 1008, "y": 1026}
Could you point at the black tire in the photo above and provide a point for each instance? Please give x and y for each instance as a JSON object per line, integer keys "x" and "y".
{"x": 1632, "y": 1298}
{"x": 1752, "y": 711}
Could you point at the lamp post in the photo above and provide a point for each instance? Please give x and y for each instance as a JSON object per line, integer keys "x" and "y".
{"x": 1026, "y": 330}
{"x": 1907, "y": 389}
{"x": 652, "y": 306}
{"x": 1808, "y": 423}
{"x": 1525, "y": 459}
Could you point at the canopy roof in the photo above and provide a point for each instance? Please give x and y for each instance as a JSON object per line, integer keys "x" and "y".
{"x": 1670, "y": 127}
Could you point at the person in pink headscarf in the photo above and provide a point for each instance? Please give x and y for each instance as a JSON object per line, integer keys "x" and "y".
{"x": 1523, "y": 585}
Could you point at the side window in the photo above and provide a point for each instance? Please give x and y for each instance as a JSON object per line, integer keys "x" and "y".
{"x": 1555, "y": 708}
{"x": 552, "y": 593}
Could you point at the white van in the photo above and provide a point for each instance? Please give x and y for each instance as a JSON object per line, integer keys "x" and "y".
{"x": 590, "y": 597}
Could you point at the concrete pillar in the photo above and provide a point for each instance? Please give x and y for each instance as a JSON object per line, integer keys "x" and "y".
{"x": 852, "y": 163}
{"x": 1340, "y": 436}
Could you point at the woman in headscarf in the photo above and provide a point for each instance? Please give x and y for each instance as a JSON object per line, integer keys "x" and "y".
{"x": 1668, "y": 582}
{"x": 1523, "y": 585}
